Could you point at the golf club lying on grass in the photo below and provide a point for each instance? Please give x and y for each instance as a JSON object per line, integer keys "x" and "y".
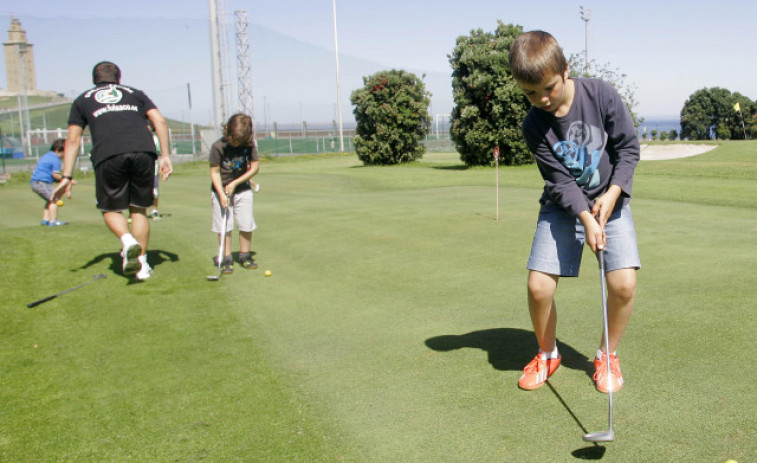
{"x": 222, "y": 247}
{"x": 99, "y": 276}
{"x": 609, "y": 435}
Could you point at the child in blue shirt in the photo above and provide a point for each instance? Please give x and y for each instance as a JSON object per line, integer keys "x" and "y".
{"x": 45, "y": 174}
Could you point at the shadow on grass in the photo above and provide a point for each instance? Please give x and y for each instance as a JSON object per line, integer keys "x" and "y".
{"x": 510, "y": 349}
{"x": 154, "y": 256}
{"x": 592, "y": 452}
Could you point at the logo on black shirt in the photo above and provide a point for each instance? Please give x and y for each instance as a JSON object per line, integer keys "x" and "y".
{"x": 110, "y": 95}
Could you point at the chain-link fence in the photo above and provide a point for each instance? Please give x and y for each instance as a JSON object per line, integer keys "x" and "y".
{"x": 189, "y": 143}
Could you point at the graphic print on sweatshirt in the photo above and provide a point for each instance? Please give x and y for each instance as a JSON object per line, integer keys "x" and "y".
{"x": 581, "y": 152}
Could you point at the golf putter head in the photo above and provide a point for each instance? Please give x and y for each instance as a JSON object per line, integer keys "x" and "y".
{"x": 600, "y": 436}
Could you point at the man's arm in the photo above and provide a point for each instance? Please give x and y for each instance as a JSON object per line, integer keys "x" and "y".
{"x": 71, "y": 150}
{"x": 161, "y": 130}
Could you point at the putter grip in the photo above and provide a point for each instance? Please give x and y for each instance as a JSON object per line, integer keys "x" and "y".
{"x": 36, "y": 303}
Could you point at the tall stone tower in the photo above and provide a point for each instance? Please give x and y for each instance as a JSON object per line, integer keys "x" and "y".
{"x": 19, "y": 60}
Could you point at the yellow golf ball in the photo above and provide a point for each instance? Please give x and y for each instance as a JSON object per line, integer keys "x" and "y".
{"x": 731, "y": 461}
{"x": 268, "y": 273}
{"x": 60, "y": 203}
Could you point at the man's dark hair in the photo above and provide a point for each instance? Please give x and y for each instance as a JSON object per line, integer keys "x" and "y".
{"x": 106, "y": 72}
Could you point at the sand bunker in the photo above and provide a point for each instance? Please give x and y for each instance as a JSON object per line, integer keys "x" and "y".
{"x": 675, "y": 151}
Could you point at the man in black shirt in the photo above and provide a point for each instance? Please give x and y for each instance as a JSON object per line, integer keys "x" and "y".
{"x": 123, "y": 157}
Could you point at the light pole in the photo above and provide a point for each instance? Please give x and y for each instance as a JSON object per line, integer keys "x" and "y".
{"x": 27, "y": 140}
{"x": 191, "y": 125}
{"x": 586, "y": 16}
{"x": 219, "y": 101}
{"x": 265, "y": 116}
{"x": 338, "y": 90}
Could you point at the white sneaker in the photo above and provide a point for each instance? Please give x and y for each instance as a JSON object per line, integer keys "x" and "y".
{"x": 130, "y": 255}
{"x": 144, "y": 273}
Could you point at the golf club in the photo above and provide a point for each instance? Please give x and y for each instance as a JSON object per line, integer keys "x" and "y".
{"x": 222, "y": 247}
{"x": 609, "y": 435}
{"x": 99, "y": 276}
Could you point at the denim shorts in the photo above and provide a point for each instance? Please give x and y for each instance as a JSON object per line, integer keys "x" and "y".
{"x": 559, "y": 240}
{"x": 44, "y": 190}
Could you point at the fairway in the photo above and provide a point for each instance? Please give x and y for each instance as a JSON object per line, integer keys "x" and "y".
{"x": 393, "y": 328}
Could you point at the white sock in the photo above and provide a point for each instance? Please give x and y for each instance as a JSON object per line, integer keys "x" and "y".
{"x": 143, "y": 259}
{"x": 600, "y": 352}
{"x": 550, "y": 355}
{"x": 127, "y": 239}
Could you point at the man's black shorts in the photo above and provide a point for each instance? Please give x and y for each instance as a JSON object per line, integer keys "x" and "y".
{"x": 125, "y": 180}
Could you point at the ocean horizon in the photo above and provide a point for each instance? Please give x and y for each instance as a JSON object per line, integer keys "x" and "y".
{"x": 660, "y": 125}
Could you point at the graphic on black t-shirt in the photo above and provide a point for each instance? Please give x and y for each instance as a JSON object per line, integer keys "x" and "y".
{"x": 237, "y": 165}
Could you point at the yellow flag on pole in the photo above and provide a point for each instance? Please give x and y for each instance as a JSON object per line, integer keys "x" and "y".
{"x": 737, "y": 107}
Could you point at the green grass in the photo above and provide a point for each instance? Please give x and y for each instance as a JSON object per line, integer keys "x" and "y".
{"x": 393, "y": 329}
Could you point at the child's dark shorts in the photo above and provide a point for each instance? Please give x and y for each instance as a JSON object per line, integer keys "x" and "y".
{"x": 559, "y": 241}
{"x": 125, "y": 180}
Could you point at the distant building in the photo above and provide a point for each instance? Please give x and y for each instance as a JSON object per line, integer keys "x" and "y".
{"x": 19, "y": 61}
{"x": 19, "y": 65}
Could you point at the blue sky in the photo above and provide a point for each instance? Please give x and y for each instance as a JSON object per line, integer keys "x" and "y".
{"x": 668, "y": 50}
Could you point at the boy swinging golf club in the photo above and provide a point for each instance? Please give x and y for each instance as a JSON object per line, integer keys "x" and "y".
{"x": 584, "y": 142}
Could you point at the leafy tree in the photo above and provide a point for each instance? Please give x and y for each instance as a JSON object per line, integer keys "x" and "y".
{"x": 709, "y": 113}
{"x": 673, "y": 134}
{"x": 653, "y": 132}
{"x": 663, "y": 135}
{"x": 391, "y": 111}
{"x": 611, "y": 75}
{"x": 489, "y": 106}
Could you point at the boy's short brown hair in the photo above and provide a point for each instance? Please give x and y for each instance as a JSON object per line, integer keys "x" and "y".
{"x": 534, "y": 55}
{"x": 238, "y": 130}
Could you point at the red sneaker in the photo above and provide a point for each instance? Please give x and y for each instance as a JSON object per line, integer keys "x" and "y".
{"x": 600, "y": 374}
{"x": 535, "y": 374}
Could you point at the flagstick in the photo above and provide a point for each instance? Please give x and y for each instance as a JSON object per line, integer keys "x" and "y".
{"x": 737, "y": 107}
{"x": 496, "y": 181}
{"x": 743, "y": 127}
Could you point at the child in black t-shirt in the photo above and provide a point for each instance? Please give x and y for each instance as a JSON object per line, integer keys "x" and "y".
{"x": 233, "y": 162}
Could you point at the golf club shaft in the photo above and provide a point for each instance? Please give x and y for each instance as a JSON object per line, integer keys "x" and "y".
{"x": 606, "y": 329}
{"x": 222, "y": 245}
{"x": 50, "y": 298}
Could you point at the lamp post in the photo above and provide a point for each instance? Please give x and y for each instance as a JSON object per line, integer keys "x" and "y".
{"x": 27, "y": 141}
{"x": 265, "y": 116}
{"x": 338, "y": 89}
{"x": 586, "y": 16}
